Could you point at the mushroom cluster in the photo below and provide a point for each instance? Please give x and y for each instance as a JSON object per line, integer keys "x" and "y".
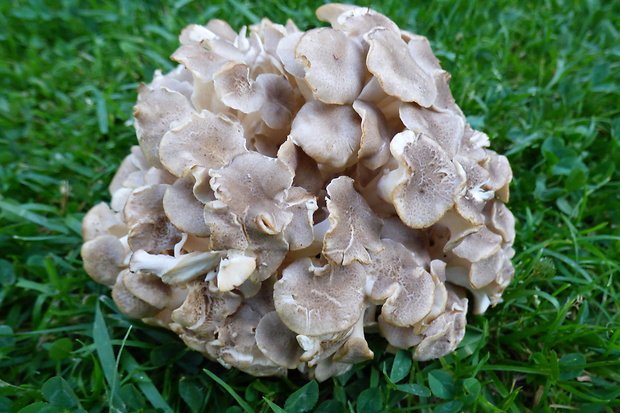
{"x": 293, "y": 191}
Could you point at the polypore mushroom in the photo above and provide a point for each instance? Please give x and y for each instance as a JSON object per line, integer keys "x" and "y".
{"x": 295, "y": 191}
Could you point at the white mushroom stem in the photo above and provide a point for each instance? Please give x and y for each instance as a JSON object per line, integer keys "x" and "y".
{"x": 174, "y": 270}
{"x": 234, "y": 269}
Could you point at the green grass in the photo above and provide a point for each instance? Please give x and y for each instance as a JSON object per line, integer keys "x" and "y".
{"x": 542, "y": 78}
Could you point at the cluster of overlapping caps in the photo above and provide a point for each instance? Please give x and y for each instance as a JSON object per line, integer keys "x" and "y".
{"x": 295, "y": 190}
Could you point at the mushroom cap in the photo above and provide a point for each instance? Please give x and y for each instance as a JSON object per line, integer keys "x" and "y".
{"x": 424, "y": 186}
{"x": 203, "y": 64}
{"x": 391, "y": 266}
{"x": 249, "y": 186}
{"x": 398, "y": 72}
{"x": 406, "y": 290}
{"x": 279, "y": 100}
{"x": 500, "y": 175}
{"x": 126, "y": 168}
{"x": 304, "y": 168}
{"x": 478, "y": 245}
{"x": 473, "y": 196}
{"x": 445, "y": 332}
{"x": 355, "y": 349}
{"x": 101, "y": 220}
{"x": 155, "y": 111}
{"x": 277, "y": 342}
{"x": 359, "y": 20}
{"x": 445, "y": 128}
{"x": 202, "y": 313}
{"x": 375, "y": 140}
{"x": 399, "y": 337}
{"x": 205, "y": 140}
{"x": 353, "y": 228}
{"x": 314, "y": 305}
{"x": 148, "y": 288}
{"x": 128, "y": 303}
{"x": 329, "y": 134}
{"x": 420, "y": 48}
{"x": 104, "y": 258}
{"x": 500, "y": 220}
{"x": 333, "y": 65}
{"x": 236, "y": 89}
{"x": 299, "y": 233}
{"x": 183, "y": 209}
{"x": 149, "y": 227}
{"x": 485, "y": 271}
{"x": 286, "y": 53}
{"x": 329, "y": 12}
{"x": 225, "y": 228}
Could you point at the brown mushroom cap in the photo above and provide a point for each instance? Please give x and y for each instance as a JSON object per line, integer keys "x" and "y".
{"x": 330, "y": 12}
{"x": 473, "y": 195}
{"x": 333, "y": 65}
{"x": 304, "y": 168}
{"x": 202, "y": 314}
{"x": 286, "y": 53}
{"x": 399, "y": 337}
{"x": 445, "y": 332}
{"x": 195, "y": 34}
{"x": 183, "y": 209}
{"x": 420, "y": 49}
{"x": 500, "y": 175}
{"x": 353, "y": 228}
{"x": 127, "y": 167}
{"x": 329, "y": 134}
{"x": 148, "y": 288}
{"x": 355, "y": 349}
{"x": 155, "y": 111}
{"x": 424, "y": 186}
{"x": 276, "y": 109}
{"x": 149, "y": 227}
{"x": 315, "y": 305}
{"x": 375, "y": 140}
{"x": 101, "y": 220}
{"x": 104, "y": 258}
{"x": 128, "y": 303}
{"x": 391, "y": 266}
{"x": 412, "y": 297}
{"x": 360, "y": 20}
{"x": 299, "y": 233}
{"x": 445, "y": 101}
{"x": 225, "y": 228}
{"x": 445, "y": 128}
{"x": 473, "y": 144}
{"x": 205, "y": 140}
{"x": 179, "y": 79}
{"x": 399, "y": 74}
{"x": 249, "y": 185}
{"x": 500, "y": 220}
{"x": 277, "y": 342}
{"x": 478, "y": 246}
{"x": 222, "y": 29}
{"x": 486, "y": 270}
{"x": 236, "y": 89}
{"x": 200, "y": 62}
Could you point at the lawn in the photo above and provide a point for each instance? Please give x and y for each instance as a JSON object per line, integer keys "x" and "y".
{"x": 541, "y": 78}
